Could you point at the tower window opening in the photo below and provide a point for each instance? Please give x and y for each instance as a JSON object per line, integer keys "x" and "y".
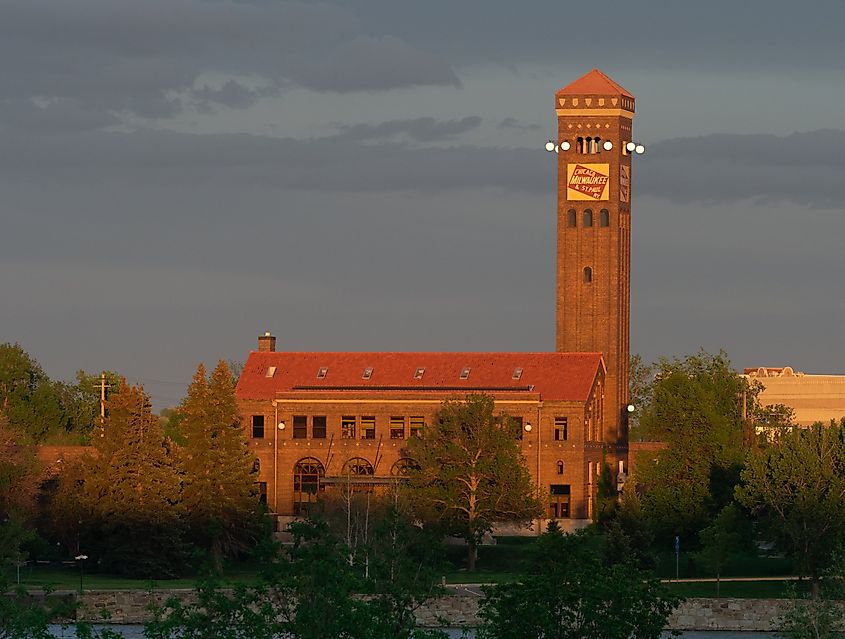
{"x": 604, "y": 218}
{"x": 571, "y": 218}
{"x": 588, "y": 217}
{"x": 579, "y": 146}
{"x": 596, "y": 145}
{"x": 560, "y": 468}
{"x": 588, "y": 275}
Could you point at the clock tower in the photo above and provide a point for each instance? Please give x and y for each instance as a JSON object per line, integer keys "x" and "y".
{"x": 594, "y": 116}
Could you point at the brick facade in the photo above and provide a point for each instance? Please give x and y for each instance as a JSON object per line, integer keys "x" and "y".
{"x": 585, "y": 383}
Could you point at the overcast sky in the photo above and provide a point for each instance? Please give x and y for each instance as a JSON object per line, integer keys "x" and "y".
{"x": 177, "y": 176}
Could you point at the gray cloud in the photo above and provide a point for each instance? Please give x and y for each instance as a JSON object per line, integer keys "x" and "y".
{"x": 417, "y": 129}
{"x": 53, "y": 117}
{"x": 115, "y": 56}
{"x": 804, "y": 168}
{"x": 513, "y": 123}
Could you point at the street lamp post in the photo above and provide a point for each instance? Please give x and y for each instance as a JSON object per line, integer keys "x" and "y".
{"x": 80, "y": 559}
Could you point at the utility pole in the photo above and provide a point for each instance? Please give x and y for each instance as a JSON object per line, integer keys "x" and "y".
{"x": 103, "y": 387}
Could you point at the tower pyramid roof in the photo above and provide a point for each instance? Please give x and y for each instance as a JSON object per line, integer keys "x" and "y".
{"x": 594, "y": 83}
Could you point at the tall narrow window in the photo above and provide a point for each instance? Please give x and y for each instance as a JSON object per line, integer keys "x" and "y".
{"x": 318, "y": 427}
{"x": 397, "y": 428}
{"x": 300, "y": 426}
{"x": 517, "y": 426}
{"x": 258, "y": 426}
{"x": 571, "y": 218}
{"x": 596, "y": 145}
{"x": 368, "y": 427}
{"x": 262, "y": 492}
{"x": 561, "y": 429}
{"x": 588, "y": 218}
{"x": 579, "y": 145}
{"x": 347, "y": 427}
{"x": 417, "y": 424}
{"x": 560, "y": 467}
{"x": 307, "y": 474}
{"x": 588, "y": 275}
{"x": 604, "y": 218}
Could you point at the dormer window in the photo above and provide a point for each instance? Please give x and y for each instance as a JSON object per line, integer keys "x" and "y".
{"x": 368, "y": 373}
{"x": 465, "y": 373}
{"x": 517, "y": 373}
{"x": 322, "y": 372}
{"x": 418, "y": 374}
{"x": 271, "y": 370}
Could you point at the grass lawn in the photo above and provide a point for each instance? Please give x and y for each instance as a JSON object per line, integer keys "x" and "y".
{"x": 63, "y": 577}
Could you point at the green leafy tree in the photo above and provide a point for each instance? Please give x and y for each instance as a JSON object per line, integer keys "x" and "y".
{"x": 697, "y": 407}
{"x": 568, "y": 592}
{"x": 81, "y": 401}
{"x": 471, "y": 471}
{"x": 219, "y": 492}
{"x": 640, "y": 382}
{"x": 28, "y": 398}
{"x": 127, "y": 495}
{"x": 20, "y": 476}
{"x": 730, "y": 532}
{"x": 817, "y": 615}
{"x": 796, "y": 487}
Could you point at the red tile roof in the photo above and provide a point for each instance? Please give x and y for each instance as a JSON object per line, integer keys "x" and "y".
{"x": 594, "y": 83}
{"x": 555, "y": 376}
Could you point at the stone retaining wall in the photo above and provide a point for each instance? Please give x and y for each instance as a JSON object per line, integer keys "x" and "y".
{"x": 132, "y": 606}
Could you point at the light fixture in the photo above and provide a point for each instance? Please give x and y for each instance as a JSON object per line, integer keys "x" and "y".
{"x": 565, "y": 145}
{"x": 608, "y": 145}
{"x": 630, "y": 408}
{"x": 640, "y": 149}
{"x": 281, "y": 425}
{"x": 630, "y": 146}
{"x": 550, "y": 146}
{"x": 527, "y": 427}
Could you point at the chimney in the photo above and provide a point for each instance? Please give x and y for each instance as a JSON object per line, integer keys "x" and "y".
{"x": 266, "y": 343}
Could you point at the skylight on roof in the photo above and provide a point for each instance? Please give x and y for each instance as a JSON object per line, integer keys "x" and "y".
{"x": 465, "y": 373}
{"x": 271, "y": 370}
{"x": 322, "y": 372}
{"x": 517, "y": 373}
{"x": 418, "y": 374}
{"x": 368, "y": 373}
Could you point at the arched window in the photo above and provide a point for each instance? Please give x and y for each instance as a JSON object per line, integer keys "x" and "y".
{"x": 307, "y": 474}
{"x": 579, "y": 146}
{"x": 571, "y": 218}
{"x": 588, "y": 275}
{"x": 403, "y": 467}
{"x": 596, "y": 145}
{"x": 358, "y": 466}
{"x": 604, "y": 218}
{"x": 588, "y": 217}
{"x": 560, "y": 467}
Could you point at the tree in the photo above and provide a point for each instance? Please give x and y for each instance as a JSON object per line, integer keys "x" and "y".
{"x": 471, "y": 471}
{"x": 568, "y": 592}
{"x": 796, "y": 487}
{"x": 730, "y": 532}
{"x": 28, "y": 398}
{"x": 219, "y": 492}
{"x": 697, "y": 406}
{"x": 127, "y": 495}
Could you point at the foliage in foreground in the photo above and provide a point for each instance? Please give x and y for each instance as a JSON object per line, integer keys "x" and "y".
{"x": 568, "y": 592}
{"x": 309, "y": 591}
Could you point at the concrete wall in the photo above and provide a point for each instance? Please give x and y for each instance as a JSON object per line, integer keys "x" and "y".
{"x": 462, "y": 610}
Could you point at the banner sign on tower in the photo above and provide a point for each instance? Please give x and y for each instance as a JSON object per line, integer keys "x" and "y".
{"x": 588, "y": 182}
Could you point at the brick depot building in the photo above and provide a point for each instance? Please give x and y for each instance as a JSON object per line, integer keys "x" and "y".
{"x": 315, "y": 419}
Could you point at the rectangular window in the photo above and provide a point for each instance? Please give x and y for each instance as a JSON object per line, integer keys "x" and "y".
{"x": 418, "y": 374}
{"x": 271, "y": 370}
{"x": 465, "y": 373}
{"x": 559, "y": 501}
{"x": 517, "y": 373}
{"x": 347, "y": 427}
{"x": 258, "y": 426}
{"x": 322, "y": 372}
{"x": 417, "y": 424}
{"x": 517, "y": 426}
{"x": 561, "y": 429}
{"x": 367, "y": 374}
{"x": 262, "y": 492}
{"x": 368, "y": 428}
{"x": 397, "y": 428}
{"x": 300, "y": 426}
{"x": 318, "y": 427}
